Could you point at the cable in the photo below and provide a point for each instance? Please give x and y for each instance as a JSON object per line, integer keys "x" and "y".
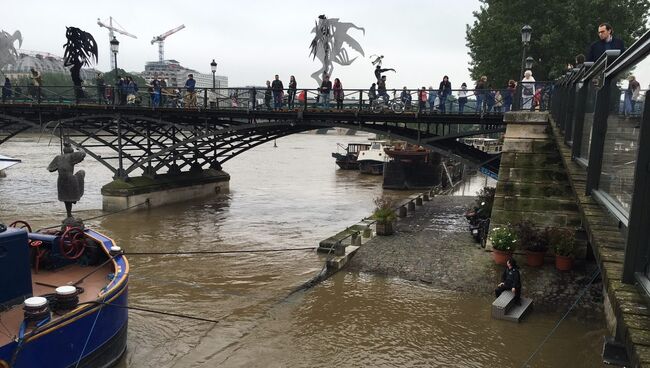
{"x": 89, "y": 334}
{"x": 584, "y": 290}
{"x": 216, "y": 252}
{"x": 100, "y": 216}
{"x": 154, "y": 311}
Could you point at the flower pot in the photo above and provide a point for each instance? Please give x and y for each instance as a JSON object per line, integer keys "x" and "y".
{"x": 563, "y": 263}
{"x": 535, "y": 259}
{"x": 501, "y": 256}
{"x": 384, "y": 228}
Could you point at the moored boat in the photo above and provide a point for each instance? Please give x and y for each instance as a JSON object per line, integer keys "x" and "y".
{"x": 348, "y": 160}
{"x": 63, "y": 296}
{"x": 371, "y": 161}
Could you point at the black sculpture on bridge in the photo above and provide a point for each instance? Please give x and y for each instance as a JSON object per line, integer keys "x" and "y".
{"x": 70, "y": 186}
{"x": 80, "y": 49}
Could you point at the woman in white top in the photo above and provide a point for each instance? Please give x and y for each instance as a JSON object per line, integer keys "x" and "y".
{"x": 527, "y": 90}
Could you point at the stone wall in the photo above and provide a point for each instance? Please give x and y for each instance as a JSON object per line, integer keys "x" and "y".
{"x": 533, "y": 183}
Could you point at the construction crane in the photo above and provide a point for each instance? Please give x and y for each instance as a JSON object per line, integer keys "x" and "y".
{"x": 112, "y": 29}
{"x": 161, "y": 41}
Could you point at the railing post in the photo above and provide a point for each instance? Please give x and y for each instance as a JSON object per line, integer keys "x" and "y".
{"x": 205, "y": 98}
{"x": 304, "y": 106}
{"x": 360, "y": 99}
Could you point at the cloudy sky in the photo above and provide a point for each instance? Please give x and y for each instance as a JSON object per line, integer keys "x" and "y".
{"x": 252, "y": 40}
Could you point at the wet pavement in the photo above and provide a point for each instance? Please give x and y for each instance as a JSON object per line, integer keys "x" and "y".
{"x": 433, "y": 246}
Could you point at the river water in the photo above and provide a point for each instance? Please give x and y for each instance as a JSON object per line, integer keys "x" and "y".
{"x": 291, "y": 196}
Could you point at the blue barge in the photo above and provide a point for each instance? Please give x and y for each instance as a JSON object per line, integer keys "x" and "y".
{"x": 63, "y": 298}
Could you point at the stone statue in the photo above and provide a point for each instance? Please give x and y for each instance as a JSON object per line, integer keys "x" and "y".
{"x": 70, "y": 186}
{"x": 328, "y": 45}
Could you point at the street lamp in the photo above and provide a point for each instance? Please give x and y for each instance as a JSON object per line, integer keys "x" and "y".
{"x": 529, "y": 62}
{"x": 526, "y": 32}
{"x": 213, "y": 66}
{"x": 115, "y": 47}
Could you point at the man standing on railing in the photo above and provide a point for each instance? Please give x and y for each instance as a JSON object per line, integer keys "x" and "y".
{"x": 606, "y": 42}
{"x": 190, "y": 98}
{"x": 277, "y": 88}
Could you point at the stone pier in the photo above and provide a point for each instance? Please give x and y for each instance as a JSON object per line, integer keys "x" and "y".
{"x": 141, "y": 192}
{"x": 533, "y": 183}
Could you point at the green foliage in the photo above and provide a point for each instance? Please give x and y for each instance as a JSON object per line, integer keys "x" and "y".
{"x": 486, "y": 195}
{"x": 562, "y": 241}
{"x": 530, "y": 237}
{"x": 503, "y": 238}
{"x": 384, "y": 209}
{"x": 561, "y": 30}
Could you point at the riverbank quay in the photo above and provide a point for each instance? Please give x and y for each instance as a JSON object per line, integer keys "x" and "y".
{"x": 626, "y": 308}
{"x": 432, "y": 245}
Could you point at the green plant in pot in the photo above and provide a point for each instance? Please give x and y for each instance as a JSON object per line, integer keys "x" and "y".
{"x": 384, "y": 215}
{"x": 533, "y": 241}
{"x": 563, "y": 243}
{"x": 504, "y": 243}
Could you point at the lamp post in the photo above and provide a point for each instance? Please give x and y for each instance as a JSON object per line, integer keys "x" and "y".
{"x": 213, "y": 66}
{"x": 115, "y": 47}
{"x": 526, "y": 31}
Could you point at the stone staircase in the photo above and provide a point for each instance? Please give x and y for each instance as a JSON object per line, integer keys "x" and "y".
{"x": 504, "y": 307}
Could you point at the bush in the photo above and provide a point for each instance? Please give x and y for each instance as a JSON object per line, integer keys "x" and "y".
{"x": 530, "y": 237}
{"x": 562, "y": 241}
{"x": 503, "y": 238}
{"x": 485, "y": 195}
{"x": 384, "y": 210}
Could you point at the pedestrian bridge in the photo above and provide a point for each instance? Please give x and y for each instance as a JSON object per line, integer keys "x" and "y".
{"x": 150, "y": 141}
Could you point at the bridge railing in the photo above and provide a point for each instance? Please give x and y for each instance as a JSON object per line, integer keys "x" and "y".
{"x": 431, "y": 101}
{"x": 604, "y": 116}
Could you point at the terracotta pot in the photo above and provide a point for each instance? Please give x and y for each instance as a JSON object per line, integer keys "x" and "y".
{"x": 563, "y": 263}
{"x": 384, "y": 228}
{"x": 535, "y": 259}
{"x": 501, "y": 257}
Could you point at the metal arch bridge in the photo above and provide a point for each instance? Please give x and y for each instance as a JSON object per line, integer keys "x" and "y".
{"x": 126, "y": 139}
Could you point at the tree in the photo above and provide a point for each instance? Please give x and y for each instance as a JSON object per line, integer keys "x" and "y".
{"x": 561, "y": 30}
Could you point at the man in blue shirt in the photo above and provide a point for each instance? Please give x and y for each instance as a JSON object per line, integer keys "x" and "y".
{"x": 190, "y": 98}
{"x": 606, "y": 42}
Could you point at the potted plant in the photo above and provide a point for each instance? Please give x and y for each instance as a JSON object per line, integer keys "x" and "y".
{"x": 504, "y": 242}
{"x": 563, "y": 243}
{"x": 533, "y": 241}
{"x": 384, "y": 215}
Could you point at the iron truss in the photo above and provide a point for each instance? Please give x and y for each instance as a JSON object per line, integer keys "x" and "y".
{"x": 130, "y": 141}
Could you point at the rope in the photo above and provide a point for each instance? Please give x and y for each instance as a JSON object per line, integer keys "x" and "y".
{"x": 154, "y": 311}
{"x": 584, "y": 290}
{"x": 100, "y": 216}
{"x": 217, "y": 252}
{"x": 89, "y": 334}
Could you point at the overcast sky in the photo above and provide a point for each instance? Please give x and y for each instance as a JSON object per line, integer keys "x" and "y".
{"x": 252, "y": 40}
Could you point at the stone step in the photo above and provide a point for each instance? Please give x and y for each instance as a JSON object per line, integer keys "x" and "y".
{"x": 505, "y": 308}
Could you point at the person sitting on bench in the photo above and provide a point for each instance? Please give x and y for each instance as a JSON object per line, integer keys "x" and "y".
{"x": 510, "y": 280}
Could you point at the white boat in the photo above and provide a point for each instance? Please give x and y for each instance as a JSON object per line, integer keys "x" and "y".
{"x": 492, "y": 146}
{"x": 371, "y": 161}
{"x": 7, "y": 162}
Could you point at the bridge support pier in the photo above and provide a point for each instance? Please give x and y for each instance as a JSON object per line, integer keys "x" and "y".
{"x": 146, "y": 191}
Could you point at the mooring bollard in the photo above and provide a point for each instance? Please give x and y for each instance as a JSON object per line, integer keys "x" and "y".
{"x": 402, "y": 212}
{"x": 411, "y": 206}
{"x": 425, "y": 197}
{"x": 418, "y": 201}
{"x": 356, "y": 239}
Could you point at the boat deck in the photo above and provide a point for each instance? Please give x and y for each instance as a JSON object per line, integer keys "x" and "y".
{"x": 44, "y": 282}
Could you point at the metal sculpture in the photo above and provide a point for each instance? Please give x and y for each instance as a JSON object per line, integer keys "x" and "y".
{"x": 80, "y": 49}
{"x": 328, "y": 45}
{"x": 8, "y": 53}
{"x": 70, "y": 187}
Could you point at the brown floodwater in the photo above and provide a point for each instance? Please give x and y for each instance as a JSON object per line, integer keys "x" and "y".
{"x": 291, "y": 196}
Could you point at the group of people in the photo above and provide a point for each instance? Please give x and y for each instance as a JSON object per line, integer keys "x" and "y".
{"x": 275, "y": 92}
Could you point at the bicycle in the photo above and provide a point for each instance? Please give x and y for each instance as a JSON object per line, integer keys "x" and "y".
{"x": 394, "y": 104}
